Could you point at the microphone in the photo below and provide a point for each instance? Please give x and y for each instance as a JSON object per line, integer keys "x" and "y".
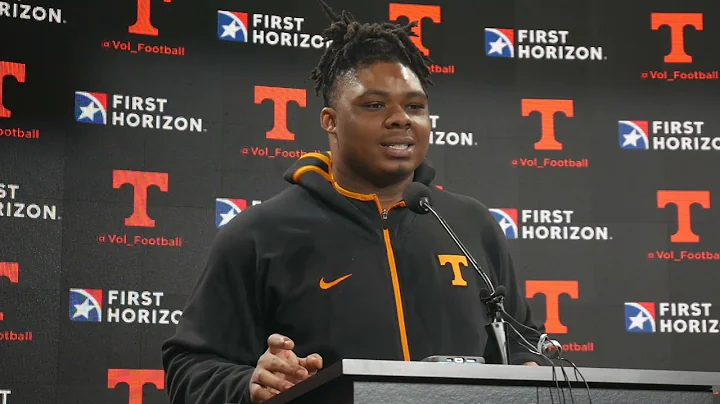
{"x": 417, "y": 199}
{"x": 549, "y": 347}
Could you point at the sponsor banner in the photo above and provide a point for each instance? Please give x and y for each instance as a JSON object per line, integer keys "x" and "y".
{"x": 14, "y": 207}
{"x": 538, "y": 44}
{"x": 227, "y": 208}
{"x": 132, "y": 111}
{"x": 266, "y": 29}
{"x": 546, "y": 224}
{"x": 121, "y": 306}
{"x": 671, "y": 318}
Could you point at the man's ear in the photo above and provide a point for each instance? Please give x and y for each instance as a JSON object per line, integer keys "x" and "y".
{"x": 328, "y": 120}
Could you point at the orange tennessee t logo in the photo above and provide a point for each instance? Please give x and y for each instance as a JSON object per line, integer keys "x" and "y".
{"x": 547, "y": 110}
{"x": 455, "y": 261}
{"x": 10, "y": 270}
{"x": 136, "y": 379}
{"x": 16, "y": 70}
{"x": 142, "y": 25}
{"x": 683, "y": 200}
{"x": 140, "y": 181}
{"x": 416, "y": 12}
{"x": 327, "y": 285}
{"x": 677, "y": 23}
{"x": 552, "y": 291}
{"x": 280, "y": 97}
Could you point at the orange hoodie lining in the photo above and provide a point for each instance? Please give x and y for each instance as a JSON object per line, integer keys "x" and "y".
{"x": 386, "y": 235}
{"x": 398, "y": 296}
{"x": 325, "y": 159}
{"x": 304, "y": 169}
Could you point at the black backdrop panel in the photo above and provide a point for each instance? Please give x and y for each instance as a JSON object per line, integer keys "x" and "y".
{"x": 132, "y": 130}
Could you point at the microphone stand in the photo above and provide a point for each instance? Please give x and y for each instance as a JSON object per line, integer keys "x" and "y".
{"x": 497, "y": 329}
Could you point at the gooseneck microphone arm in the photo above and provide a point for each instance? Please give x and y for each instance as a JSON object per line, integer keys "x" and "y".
{"x": 425, "y": 203}
{"x": 417, "y": 199}
{"x": 497, "y": 329}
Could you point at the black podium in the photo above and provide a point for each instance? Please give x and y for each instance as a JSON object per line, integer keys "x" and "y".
{"x": 379, "y": 382}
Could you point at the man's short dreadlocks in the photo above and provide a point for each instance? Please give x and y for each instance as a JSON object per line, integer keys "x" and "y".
{"x": 355, "y": 45}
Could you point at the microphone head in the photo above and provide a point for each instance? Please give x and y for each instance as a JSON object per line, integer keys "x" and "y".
{"x": 485, "y": 294}
{"x": 414, "y": 194}
{"x": 500, "y": 290}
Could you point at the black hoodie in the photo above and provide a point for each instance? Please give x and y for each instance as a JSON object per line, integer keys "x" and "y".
{"x": 342, "y": 278}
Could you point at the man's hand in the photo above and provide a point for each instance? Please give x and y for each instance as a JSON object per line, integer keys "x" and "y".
{"x": 530, "y": 364}
{"x": 278, "y": 369}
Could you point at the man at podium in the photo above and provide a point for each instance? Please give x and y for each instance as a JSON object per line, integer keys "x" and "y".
{"x": 336, "y": 266}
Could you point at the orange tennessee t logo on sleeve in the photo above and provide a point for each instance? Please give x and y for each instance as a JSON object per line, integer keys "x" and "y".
{"x": 327, "y": 285}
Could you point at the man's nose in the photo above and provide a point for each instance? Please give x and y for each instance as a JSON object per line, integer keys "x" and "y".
{"x": 398, "y": 118}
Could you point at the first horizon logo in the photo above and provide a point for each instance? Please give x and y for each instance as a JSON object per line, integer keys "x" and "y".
{"x": 20, "y": 11}
{"x": 227, "y": 208}
{"x": 121, "y": 306}
{"x": 674, "y": 27}
{"x": 545, "y": 224}
{"x": 12, "y": 207}
{"x": 273, "y": 30}
{"x": 448, "y": 138}
{"x": 670, "y": 317}
{"x": 666, "y": 135}
{"x": 131, "y": 111}
{"x": 537, "y": 44}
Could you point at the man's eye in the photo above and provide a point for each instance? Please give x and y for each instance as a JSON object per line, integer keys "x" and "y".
{"x": 374, "y": 105}
{"x": 417, "y": 106}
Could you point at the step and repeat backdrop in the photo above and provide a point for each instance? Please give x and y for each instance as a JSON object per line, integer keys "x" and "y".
{"x": 132, "y": 130}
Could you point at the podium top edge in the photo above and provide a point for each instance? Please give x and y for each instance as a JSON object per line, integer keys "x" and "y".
{"x": 402, "y": 369}
{"x": 369, "y": 370}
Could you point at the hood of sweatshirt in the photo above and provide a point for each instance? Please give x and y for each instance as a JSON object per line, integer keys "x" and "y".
{"x": 313, "y": 172}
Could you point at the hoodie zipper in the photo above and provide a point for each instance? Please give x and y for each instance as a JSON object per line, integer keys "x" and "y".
{"x": 396, "y": 287}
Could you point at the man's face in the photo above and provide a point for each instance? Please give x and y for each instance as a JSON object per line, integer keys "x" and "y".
{"x": 381, "y": 126}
